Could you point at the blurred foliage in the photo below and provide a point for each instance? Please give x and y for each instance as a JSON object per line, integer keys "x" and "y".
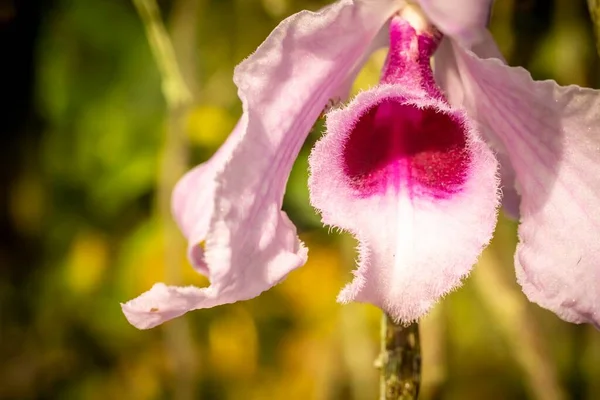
{"x": 82, "y": 230}
{"x": 594, "y": 6}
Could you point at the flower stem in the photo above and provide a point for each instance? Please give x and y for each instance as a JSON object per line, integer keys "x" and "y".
{"x": 594, "y": 7}
{"x": 174, "y": 87}
{"x": 399, "y": 361}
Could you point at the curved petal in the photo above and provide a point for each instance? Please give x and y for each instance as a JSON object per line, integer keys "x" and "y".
{"x": 409, "y": 177}
{"x": 449, "y": 78}
{"x": 552, "y": 136}
{"x": 250, "y": 244}
{"x": 194, "y": 195}
{"x": 462, "y": 20}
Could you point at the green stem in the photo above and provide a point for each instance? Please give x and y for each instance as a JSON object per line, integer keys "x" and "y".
{"x": 400, "y": 361}
{"x": 174, "y": 88}
{"x": 594, "y": 6}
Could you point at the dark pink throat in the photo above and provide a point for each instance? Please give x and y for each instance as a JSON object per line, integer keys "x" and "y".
{"x": 398, "y": 146}
{"x": 409, "y": 140}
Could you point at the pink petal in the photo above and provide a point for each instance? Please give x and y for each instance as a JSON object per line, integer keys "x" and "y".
{"x": 449, "y": 78}
{"x": 250, "y": 244}
{"x": 162, "y": 303}
{"x": 194, "y": 196}
{"x": 410, "y": 178}
{"x": 462, "y": 20}
{"x": 552, "y": 136}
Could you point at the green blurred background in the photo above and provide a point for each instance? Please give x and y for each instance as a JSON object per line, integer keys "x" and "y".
{"x": 90, "y": 151}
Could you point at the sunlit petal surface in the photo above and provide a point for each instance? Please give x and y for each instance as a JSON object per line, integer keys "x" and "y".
{"x": 194, "y": 196}
{"x": 552, "y": 136}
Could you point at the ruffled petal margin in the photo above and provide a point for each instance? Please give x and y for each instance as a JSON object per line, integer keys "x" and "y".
{"x": 250, "y": 244}
{"x": 423, "y": 208}
{"x": 194, "y": 196}
{"x": 552, "y": 137}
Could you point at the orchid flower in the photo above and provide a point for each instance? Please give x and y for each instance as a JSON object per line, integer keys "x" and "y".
{"x": 414, "y": 168}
